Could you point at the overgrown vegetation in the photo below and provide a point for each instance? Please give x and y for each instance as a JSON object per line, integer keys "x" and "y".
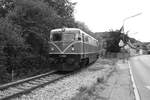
{"x": 110, "y": 40}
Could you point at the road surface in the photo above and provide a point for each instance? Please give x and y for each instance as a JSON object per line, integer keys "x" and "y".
{"x": 140, "y": 67}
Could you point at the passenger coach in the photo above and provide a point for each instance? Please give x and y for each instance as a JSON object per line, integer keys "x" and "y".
{"x": 71, "y": 47}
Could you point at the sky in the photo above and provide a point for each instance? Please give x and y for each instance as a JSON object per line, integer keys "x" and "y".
{"x": 103, "y": 15}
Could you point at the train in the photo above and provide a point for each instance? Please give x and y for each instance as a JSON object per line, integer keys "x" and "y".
{"x": 72, "y": 48}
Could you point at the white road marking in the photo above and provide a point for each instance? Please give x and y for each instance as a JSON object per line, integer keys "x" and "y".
{"x": 136, "y": 92}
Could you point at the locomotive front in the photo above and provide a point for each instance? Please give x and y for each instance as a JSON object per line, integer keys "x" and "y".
{"x": 65, "y": 49}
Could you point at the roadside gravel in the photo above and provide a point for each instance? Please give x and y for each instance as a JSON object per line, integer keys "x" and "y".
{"x": 69, "y": 87}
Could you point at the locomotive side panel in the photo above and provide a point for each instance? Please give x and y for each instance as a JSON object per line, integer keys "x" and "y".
{"x": 90, "y": 48}
{"x": 90, "y": 52}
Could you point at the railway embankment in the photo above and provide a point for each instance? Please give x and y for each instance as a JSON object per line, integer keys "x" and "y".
{"x": 80, "y": 85}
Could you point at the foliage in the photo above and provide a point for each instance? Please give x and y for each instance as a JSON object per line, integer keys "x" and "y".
{"x": 110, "y": 40}
{"x": 64, "y": 8}
{"x": 113, "y": 41}
{"x": 32, "y": 14}
{"x": 11, "y": 44}
{"x": 83, "y": 27}
{"x": 5, "y": 7}
{"x": 10, "y": 35}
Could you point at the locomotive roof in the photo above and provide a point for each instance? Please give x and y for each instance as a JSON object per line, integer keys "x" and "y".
{"x": 65, "y": 29}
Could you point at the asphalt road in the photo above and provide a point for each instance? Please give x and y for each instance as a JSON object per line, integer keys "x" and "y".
{"x": 140, "y": 67}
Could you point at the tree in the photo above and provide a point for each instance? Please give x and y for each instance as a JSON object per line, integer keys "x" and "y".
{"x": 112, "y": 39}
{"x": 64, "y": 8}
{"x": 12, "y": 46}
{"x": 84, "y": 27}
{"x": 5, "y": 7}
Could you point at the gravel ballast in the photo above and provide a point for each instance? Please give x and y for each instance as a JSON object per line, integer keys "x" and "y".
{"x": 70, "y": 86}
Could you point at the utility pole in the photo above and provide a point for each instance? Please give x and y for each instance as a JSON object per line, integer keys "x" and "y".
{"x": 131, "y": 17}
{"x": 122, "y": 29}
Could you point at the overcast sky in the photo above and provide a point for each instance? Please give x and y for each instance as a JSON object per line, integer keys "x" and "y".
{"x": 103, "y": 15}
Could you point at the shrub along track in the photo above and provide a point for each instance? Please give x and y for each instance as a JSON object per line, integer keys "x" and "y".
{"x": 18, "y": 88}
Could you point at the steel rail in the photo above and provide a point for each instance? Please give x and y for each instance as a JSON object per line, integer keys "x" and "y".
{"x": 24, "y": 80}
{"x": 26, "y": 91}
{"x": 28, "y": 85}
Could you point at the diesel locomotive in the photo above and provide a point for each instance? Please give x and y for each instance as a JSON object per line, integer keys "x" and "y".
{"x": 71, "y": 48}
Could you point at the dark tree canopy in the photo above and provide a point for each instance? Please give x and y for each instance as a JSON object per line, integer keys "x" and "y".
{"x": 64, "y": 8}
{"x": 111, "y": 40}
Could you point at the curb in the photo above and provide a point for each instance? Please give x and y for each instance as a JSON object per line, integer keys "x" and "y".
{"x": 136, "y": 93}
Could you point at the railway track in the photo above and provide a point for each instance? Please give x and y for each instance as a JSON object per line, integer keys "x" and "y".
{"x": 15, "y": 89}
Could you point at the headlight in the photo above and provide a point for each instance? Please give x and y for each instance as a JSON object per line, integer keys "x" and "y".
{"x": 52, "y": 49}
{"x": 72, "y": 49}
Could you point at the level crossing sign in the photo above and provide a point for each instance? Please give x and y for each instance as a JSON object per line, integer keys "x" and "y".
{"x": 121, "y": 43}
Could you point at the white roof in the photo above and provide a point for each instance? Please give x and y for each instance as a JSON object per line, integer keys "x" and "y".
{"x": 66, "y": 29}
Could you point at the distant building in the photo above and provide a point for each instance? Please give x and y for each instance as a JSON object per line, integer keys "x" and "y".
{"x": 141, "y": 51}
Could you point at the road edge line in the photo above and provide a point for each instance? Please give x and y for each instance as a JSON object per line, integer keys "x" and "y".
{"x": 136, "y": 93}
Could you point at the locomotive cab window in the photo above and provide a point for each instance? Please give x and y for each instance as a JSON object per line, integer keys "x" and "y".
{"x": 62, "y": 37}
{"x": 86, "y": 39}
{"x": 56, "y": 37}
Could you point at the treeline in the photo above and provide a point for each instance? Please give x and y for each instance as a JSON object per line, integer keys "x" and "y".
{"x": 109, "y": 40}
{"x": 24, "y": 33}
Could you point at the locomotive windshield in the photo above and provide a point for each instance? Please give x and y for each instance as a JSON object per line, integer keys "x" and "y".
{"x": 68, "y": 37}
{"x": 57, "y": 37}
{"x": 63, "y": 37}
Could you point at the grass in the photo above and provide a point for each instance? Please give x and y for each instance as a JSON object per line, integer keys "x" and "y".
{"x": 90, "y": 93}
{"x": 94, "y": 92}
